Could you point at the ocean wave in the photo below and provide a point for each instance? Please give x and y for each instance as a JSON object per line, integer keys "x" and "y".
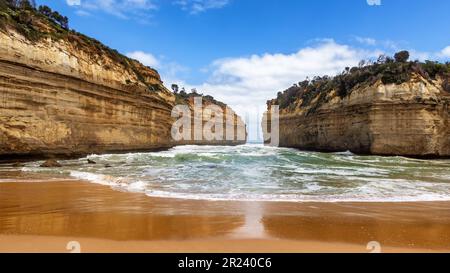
{"x": 260, "y": 173}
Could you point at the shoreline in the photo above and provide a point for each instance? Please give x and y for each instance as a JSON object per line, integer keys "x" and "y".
{"x": 24, "y": 158}
{"x": 51, "y": 244}
{"x": 107, "y": 220}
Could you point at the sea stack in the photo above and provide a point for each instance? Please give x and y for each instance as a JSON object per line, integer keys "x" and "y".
{"x": 390, "y": 107}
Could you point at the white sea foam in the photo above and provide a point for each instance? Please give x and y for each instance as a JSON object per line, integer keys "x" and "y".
{"x": 259, "y": 173}
{"x": 96, "y": 178}
{"x": 296, "y": 198}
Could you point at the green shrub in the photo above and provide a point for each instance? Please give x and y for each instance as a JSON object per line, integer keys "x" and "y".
{"x": 385, "y": 69}
{"x": 3, "y": 5}
{"x": 435, "y": 68}
{"x": 446, "y": 85}
{"x": 402, "y": 56}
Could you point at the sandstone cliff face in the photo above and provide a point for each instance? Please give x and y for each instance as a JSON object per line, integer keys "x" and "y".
{"x": 59, "y": 97}
{"x": 55, "y": 99}
{"x": 233, "y": 131}
{"x": 409, "y": 119}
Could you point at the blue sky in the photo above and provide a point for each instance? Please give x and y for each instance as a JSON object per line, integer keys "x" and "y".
{"x": 244, "y": 51}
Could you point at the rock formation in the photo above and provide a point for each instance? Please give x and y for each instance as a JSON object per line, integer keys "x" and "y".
{"x": 62, "y": 93}
{"x": 386, "y": 108}
{"x": 232, "y": 125}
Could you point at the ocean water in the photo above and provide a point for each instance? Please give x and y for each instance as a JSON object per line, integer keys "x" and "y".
{"x": 258, "y": 173}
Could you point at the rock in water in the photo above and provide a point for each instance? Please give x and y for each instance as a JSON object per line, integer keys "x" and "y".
{"x": 51, "y": 163}
{"x": 90, "y": 161}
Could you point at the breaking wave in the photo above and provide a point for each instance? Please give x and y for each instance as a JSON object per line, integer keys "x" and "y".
{"x": 260, "y": 173}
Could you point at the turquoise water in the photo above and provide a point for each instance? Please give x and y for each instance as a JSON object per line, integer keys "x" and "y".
{"x": 255, "y": 172}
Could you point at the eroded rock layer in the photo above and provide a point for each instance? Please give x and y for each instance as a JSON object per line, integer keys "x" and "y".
{"x": 203, "y": 129}
{"x": 67, "y": 97}
{"x": 408, "y": 119}
{"x": 55, "y": 102}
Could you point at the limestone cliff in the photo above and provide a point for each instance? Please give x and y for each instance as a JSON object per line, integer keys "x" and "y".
{"x": 233, "y": 131}
{"x": 406, "y": 115}
{"x": 62, "y": 93}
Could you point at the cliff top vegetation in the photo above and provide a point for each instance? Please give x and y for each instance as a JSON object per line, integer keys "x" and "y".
{"x": 388, "y": 70}
{"x": 38, "y": 23}
{"x": 183, "y": 97}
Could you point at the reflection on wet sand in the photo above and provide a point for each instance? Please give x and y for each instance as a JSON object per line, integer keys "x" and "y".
{"x": 425, "y": 225}
{"x": 84, "y": 210}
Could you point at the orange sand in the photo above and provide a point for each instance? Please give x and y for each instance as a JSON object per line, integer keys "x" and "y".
{"x": 45, "y": 216}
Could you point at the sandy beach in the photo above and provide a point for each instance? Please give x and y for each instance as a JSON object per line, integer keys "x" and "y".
{"x": 221, "y": 126}
{"x": 37, "y": 216}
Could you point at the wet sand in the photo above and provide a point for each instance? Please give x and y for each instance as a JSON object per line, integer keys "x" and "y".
{"x": 45, "y": 216}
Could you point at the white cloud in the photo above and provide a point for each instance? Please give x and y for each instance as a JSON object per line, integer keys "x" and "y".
{"x": 198, "y": 6}
{"x": 442, "y": 55}
{"x": 272, "y": 72}
{"x": 385, "y": 44}
{"x": 130, "y": 8}
{"x": 81, "y": 12}
{"x": 420, "y": 55}
{"x": 169, "y": 70}
{"x": 391, "y": 47}
{"x": 119, "y": 8}
{"x": 366, "y": 40}
{"x": 73, "y": 2}
{"x": 445, "y": 52}
{"x": 374, "y": 2}
{"x": 146, "y": 58}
